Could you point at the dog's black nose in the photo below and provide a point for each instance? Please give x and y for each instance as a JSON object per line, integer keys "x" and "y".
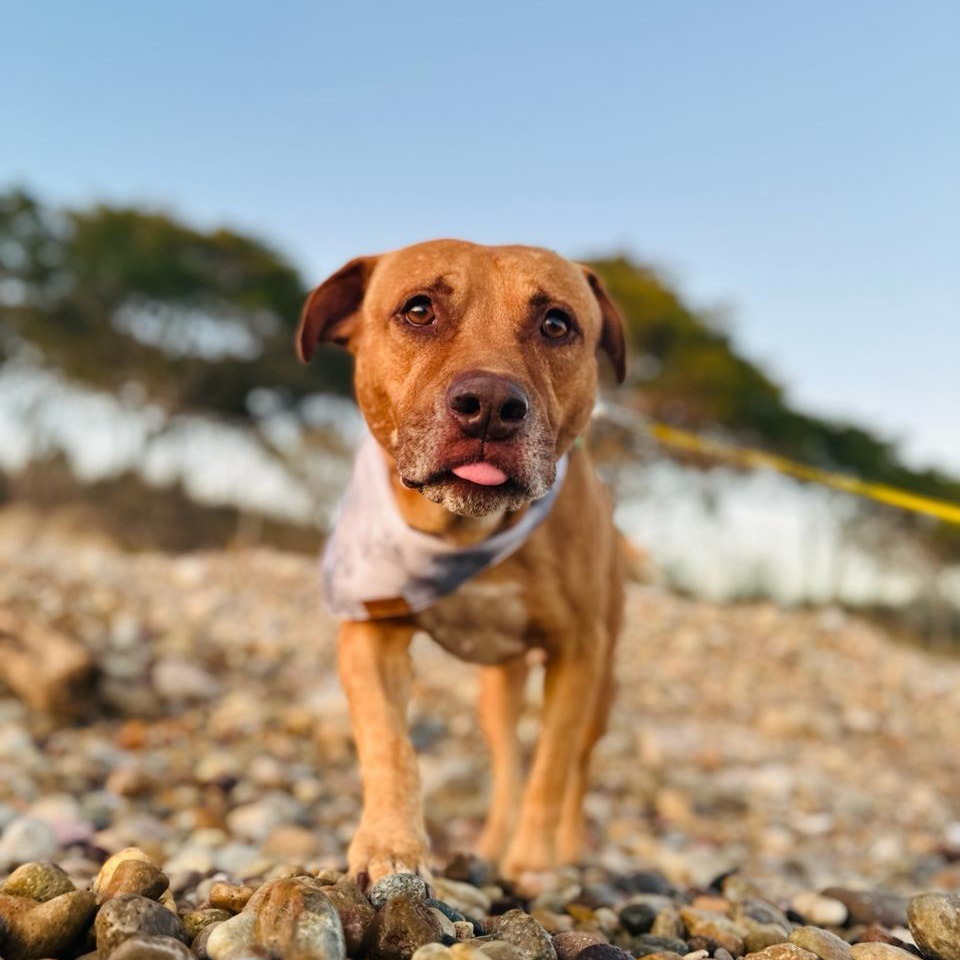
{"x": 487, "y": 406}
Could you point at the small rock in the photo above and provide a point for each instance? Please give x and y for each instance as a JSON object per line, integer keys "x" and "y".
{"x": 231, "y": 938}
{"x": 402, "y": 925}
{"x": 137, "y": 877}
{"x": 637, "y": 918}
{"x": 229, "y": 896}
{"x": 525, "y": 934}
{"x": 397, "y": 885}
{"x": 44, "y": 929}
{"x": 603, "y": 951}
{"x": 197, "y": 920}
{"x": 152, "y": 948}
{"x": 820, "y": 910}
{"x": 180, "y": 680}
{"x": 763, "y": 935}
{"x": 875, "y": 950}
{"x": 296, "y": 921}
{"x": 934, "y": 920}
{"x": 826, "y": 945}
{"x": 129, "y": 916}
{"x": 433, "y": 951}
{"x": 469, "y": 900}
{"x": 668, "y": 924}
{"x": 888, "y": 909}
{"x": 783, "y": 951}
{"x": 645, "y": 881}
{"x": 715, "y": 926}
{"x": 105, "y": 875}
{"x": 568, "y": 945}
{"x": 470, "y": 869}
{"x": 27, "y": 839}
{"x": 647, "y": 944}
{"x": 37, "y": 881}
{"x": 465, "y": 929}
{"x": 355, "y": 912}
{"x": 500, "y": 950}
{"x": 448, "y": 933}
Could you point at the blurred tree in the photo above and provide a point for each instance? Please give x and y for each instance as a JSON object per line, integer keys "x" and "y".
{"x": 199, "y": 321}
{"x": 686, "y": 370}
{"x": 115, "y": 296}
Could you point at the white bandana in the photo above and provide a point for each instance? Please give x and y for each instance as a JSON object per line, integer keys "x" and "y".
{"x": 375, "y": 565}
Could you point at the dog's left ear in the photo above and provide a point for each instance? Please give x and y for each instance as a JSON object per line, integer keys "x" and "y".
{"x": 611, "y": 334}
{"x": 331, "y": 311}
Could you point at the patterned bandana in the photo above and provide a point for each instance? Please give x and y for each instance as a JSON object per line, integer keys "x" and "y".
{"x": 376, "y": 566}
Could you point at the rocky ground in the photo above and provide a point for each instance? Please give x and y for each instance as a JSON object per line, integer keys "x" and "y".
{"x": 802, "y": 750}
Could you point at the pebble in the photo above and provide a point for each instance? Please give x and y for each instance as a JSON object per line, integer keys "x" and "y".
{"x": 647, "y": 944}
{"x": 37, "y": 881}
{"x": 27, "y": 839}
{"x": 44, "y": 929}
{"x": 130, "y": 915}
{"x": 152, "y": 948}
{"x": 520, "y": 929}
{"x": 137, "y": 877}
{"x": 469, "y": 900}
{"x": 603, "y": 951}
{"x": 826, "y": 945}
{"x": 783, "y": 951}
{"x": 356, "y": 913}
{"x": 568, "y": 945}
{"x": 229, "y": 896}
{"x": 397, "y": 885}
{"x": 934, "y": 920}
{"x": 231, "y": 938}
{"x": 714, "y": 926}
{"x": 296, "y": 921}
{"x": 638, "y": 918}
{"x": 500, "y": 950}
{"x": 401, "y": 926}
{"x": 433, "y": 951}
{"x": 874, "y": 950}
{"x": 820, "y": 910}
{"x": 668, "y": 923}
{"x": 194, "y": 921}
{"x": 871, "y": 906}
{"x": 105, "y": 874}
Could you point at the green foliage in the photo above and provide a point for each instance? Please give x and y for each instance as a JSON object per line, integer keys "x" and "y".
{"x": 200, "y": 319}
{"x": 687, "y": 371}
{"x": 110, "y": 296}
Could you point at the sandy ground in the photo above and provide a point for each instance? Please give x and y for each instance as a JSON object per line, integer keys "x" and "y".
{"x": 807, "y": 745}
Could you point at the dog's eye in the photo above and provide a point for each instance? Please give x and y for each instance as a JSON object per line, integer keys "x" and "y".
{"x": 418, "y": 311}
{"x": 556, "y": 325}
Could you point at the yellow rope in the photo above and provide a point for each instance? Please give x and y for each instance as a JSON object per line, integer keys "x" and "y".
{"x": 692, "y": 442}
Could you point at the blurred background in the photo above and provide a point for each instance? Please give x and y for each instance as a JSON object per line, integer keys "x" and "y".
{"x": 771, "y": 194}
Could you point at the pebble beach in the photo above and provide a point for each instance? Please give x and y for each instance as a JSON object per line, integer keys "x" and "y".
{"x": 777, "y": 784}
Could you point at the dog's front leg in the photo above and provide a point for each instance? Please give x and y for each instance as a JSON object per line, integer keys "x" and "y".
{"x": 376, "y": 673}
{"x": 569, "y": 698}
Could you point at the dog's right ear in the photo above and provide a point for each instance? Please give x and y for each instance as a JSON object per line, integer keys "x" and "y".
{"x": 331, "y": 311}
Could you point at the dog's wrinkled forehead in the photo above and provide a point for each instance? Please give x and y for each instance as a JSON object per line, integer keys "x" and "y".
{"x": 502, "y": 279}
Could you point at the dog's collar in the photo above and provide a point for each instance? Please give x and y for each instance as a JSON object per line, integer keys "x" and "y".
{"x": 376, "y": 566}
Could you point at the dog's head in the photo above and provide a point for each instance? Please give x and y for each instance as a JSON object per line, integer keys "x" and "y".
{"x": 476, "y": 367}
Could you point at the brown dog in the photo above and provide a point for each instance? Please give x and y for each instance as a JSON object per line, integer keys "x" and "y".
{"x": 476, "y": 372}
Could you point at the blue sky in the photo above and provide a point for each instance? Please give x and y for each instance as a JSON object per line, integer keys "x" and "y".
{"x": 798, "y": 163}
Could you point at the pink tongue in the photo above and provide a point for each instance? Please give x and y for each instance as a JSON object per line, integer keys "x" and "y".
{"x": 486, "y": 474}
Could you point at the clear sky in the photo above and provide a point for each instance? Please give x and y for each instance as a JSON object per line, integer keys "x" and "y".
{"x": 798, "y": 162}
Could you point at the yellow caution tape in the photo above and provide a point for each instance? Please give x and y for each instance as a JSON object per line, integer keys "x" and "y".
{"x": 694, "y": 443}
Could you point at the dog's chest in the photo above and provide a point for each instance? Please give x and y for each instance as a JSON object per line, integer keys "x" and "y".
{"x": 480, "y": 622}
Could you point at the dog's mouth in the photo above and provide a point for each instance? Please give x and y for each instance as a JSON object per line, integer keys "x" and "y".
{"x": 475, "y": 488}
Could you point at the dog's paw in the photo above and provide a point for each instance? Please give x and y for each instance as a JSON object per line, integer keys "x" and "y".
{"x": 371, "y": 858}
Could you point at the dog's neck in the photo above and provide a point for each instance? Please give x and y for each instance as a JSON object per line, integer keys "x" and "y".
{"x": 429, "y": 517}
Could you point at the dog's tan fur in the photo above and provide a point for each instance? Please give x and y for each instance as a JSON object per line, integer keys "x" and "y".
{"x": 561, "y": 592}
